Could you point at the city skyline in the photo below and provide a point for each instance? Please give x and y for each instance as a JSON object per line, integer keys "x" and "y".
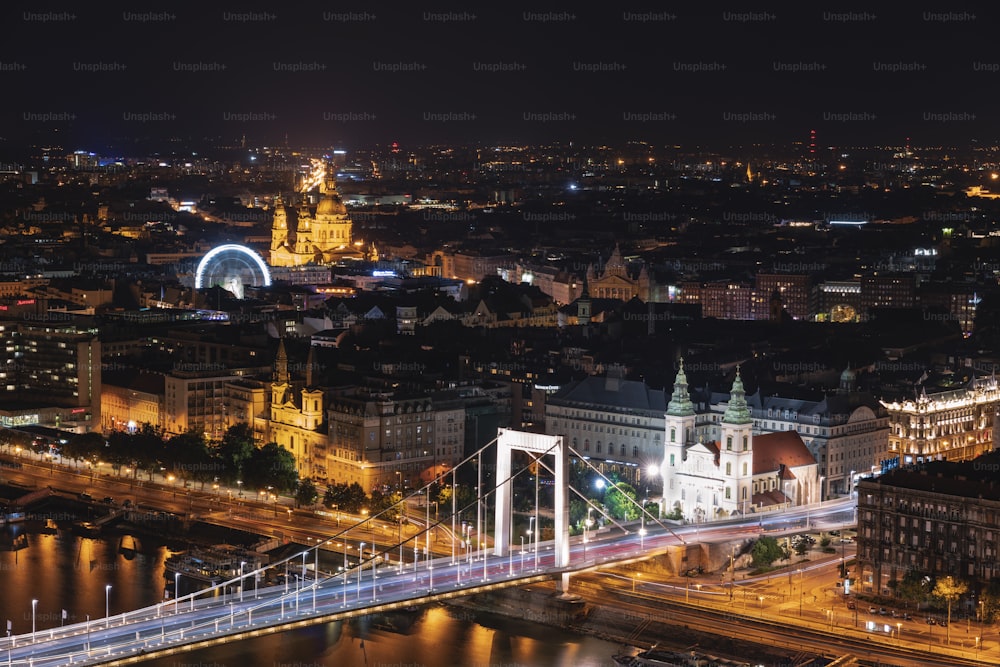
{"x": 711, "y": 76}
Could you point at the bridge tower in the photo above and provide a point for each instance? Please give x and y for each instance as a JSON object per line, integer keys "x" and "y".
{"x": 536, "y": 443}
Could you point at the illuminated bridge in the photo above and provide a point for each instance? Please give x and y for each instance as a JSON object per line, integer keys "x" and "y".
{"x": 232, "y": 610}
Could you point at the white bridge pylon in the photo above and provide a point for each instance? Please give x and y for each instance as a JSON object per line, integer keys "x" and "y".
{"x": 536, "y": 443}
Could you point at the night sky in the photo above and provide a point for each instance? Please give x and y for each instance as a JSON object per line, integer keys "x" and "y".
{"x": 103, "y": 77}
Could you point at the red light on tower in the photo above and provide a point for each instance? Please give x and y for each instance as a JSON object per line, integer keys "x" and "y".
{"x": 812, "y": 142}
{"x": 395, "y": 147}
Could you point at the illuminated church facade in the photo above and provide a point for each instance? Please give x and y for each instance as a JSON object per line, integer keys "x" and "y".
{"x": 305, "y": 235}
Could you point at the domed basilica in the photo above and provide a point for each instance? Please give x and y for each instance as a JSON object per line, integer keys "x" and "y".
{"x": 305, "y": 235}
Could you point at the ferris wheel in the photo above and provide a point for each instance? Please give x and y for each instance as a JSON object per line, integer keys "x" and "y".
{"x": 232, "y": 267}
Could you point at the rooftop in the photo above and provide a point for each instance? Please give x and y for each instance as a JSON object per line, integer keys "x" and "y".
{"x": 966, "y": 479}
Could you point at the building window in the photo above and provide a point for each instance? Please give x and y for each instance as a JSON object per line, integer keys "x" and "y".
{"x": 598, "y": 446}
{"x": 671, "y": 460}
{"x": 729, "y": 469}
{"x": 746, "y": 443}
{"x": 744, "y": 469}
{"x": 729, "y": 443}
{"x": 635, "y": 452}
{"x": 728, "y": 493}
{"x": 673, "y": 434}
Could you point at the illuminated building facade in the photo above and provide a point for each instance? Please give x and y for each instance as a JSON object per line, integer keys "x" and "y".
{"x": 130, "y": 399}
{"x": 297, "y": 417}
{"x": 847, "y": 432}
{"x": 51, "y": 365}
{"x": 956, "y": 425}
{"x": 615, "y": 282}
{"x": 305, "y": 235}
{"x": 738, "y": 473}
{"x": 615, "y": 423}
{"x": 375, "y": 435}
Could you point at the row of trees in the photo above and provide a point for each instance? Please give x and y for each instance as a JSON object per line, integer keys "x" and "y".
{"x": 191, "y": 457}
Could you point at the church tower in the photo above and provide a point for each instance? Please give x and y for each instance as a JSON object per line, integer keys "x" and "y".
{"x": 312, "y": 397}
{"x": 279, "y": 227}
{"x": 303, "y": 230}
{"x": 680, "y": 418}
{"x": 679, "y": 432}
{"x": 736, "y": 450}
{"x": 280, "y": 380}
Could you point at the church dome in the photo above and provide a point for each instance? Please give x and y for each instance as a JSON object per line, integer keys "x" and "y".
{"x": 848, "y": 376}
{"x": 330, "y": 205}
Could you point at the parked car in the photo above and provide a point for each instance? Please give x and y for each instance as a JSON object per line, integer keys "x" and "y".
{"x": 930, "y": 621}
{"x": 86, "y": 497}
{"x": 872, "y": 610}
{"x": 882, "y": 611}
{"x": 108, "y": 500}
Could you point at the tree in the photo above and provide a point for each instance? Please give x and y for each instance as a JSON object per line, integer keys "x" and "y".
{"x": 913, "y": 587}
{"x": 148, "y": 449}
{"x": 190, "y": 457}
{"x": 81, "y": 447}
{"x": 765, "y": 551}
{"x": 990, "y": 600}
{"x": 949, "y": 589}
{"x": 465, "y": 499}
{"x": 390, "y": 503}
{"x": 306, "y": 494}
{"x": 620, "y": 501}
{"x": 347, "y": 497}
{"x": 235, "y": 449}
{"x": 272, "y": 465}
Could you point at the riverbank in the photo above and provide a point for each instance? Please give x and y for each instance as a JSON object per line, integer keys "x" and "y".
{"x": 541, "y": 603}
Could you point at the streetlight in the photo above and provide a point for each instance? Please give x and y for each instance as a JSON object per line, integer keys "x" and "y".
{"x": 242, "y": 564}
{"x": 399, "y": 523}
{"x": 34, "y": 605}
{"x": 899, "y": 628}
{"x": 361, "y": 561}
{"x": 177, "y": 578}
{"x": 634, "y": 579}
{"x": 107, "y": 606}
{"x": 760, "y": 599}
{"x": 522, "y": 553}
